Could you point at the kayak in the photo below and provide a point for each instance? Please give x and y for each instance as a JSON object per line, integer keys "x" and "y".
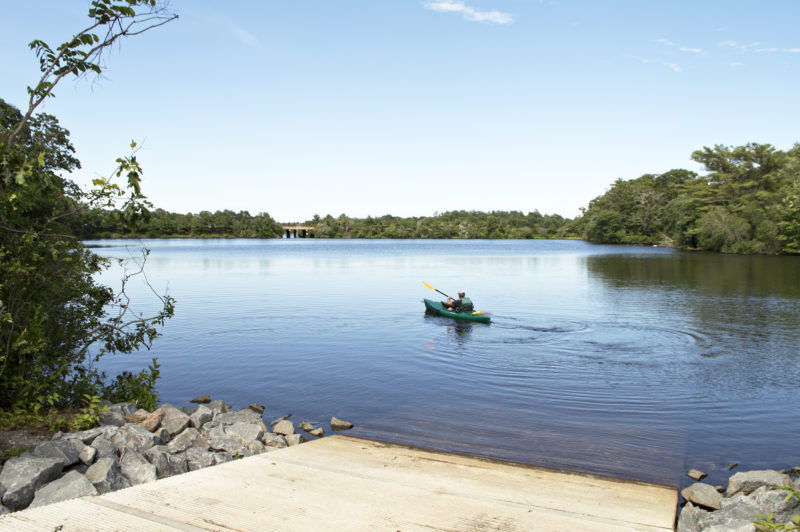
{"x": 436, "y": 307}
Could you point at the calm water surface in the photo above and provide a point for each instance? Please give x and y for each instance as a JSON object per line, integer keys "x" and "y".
{"x": 628, "y": 361}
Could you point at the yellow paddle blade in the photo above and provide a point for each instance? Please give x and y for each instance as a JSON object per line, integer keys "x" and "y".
{"x": 429, "y": 286}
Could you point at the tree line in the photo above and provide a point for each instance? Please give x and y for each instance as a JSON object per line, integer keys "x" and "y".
{"x": 452, "y": 224}
{"x": 107, "y": 223}
{"x": 104, "y": 223}
{"x": 747, "y": 202}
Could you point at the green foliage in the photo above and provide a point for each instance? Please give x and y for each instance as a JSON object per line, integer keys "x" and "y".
{"x": 89, "y": 414}
{"x": 103, "y": 223}
{"x": 41, "y": 412}
{"x": 719, "y": 230}
{"x": 449, "y": 225}
{"x": 11, "y": 453}
{"x": 106, "y": 223}
{"x": 765, "y": 523}
{"x": 55, "y": 319}
{"x": 748, "y": 202}
{"x": 139, "y": 387}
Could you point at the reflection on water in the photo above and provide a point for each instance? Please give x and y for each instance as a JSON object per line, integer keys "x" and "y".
{"x": 637, "y": 362}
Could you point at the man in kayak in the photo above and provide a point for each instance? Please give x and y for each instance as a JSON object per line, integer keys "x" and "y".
{"x": 462, "y": 304}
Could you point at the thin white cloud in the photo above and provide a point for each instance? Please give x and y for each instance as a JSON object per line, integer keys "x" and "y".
{"x": 686, "y": 49}
{"x": 773, "y": 49}
{"x": 758, "y": 48}
{"x": 243, "y": 35}
{"x": 672, "y": 66}
{"x": 732, "y": 44}
{"x": 468, "y": 12}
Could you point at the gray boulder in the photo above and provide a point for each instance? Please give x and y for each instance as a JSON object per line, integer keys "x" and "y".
{"x": 213, "y": 431}
{"x": 273, "y": 441}
{"x": 703, "y": 495}
{"x": 105, "y": 475}
{"x": 174, "y": 420}
{"x": 86, "y": 436}
{"x": 283, "y": 427}
{"x": 748, "y": 481}
{"x": 219, "y": 407}
{"x": 188, "y": 438}
{"x": 113, "y": 417}
{"x": 23, "y": 475}
{"x": 240, "y": 416}
{"x": 696, "y": 474}
{"x": 295, "y": 439}
{"x": 228, "y": 445}
{"x": 134, "y": 436}
{"x": 162, "y": 436}
{"x": 128, "y": 409}
{"x": 197, "y": 458}
{"x": 105, "y": 447}
{"x": 136, "y": 468}
{"x": 772, "y": 501}
{"x": 690, "y": 518}
{"x": 736, "y": 514}
{"x": 201, "y": 416}
{"x": 60, "y": 449}
{"x": 256, "y": 446}
{"x": 166, "y": 463}
{"x": 340, "y": 424}
{"x": 308, "y": 427}
{"x": 86, "y": 453}
{"x": 70, "y": 486}
{"x": 245, "y": 433}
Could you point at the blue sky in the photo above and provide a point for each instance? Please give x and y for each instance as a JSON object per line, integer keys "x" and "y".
{"x": 409, "y": 107}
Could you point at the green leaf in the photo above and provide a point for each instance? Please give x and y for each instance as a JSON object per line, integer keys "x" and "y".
{"x": 19, "y": 177}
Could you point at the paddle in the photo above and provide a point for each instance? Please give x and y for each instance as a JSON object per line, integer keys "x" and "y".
{"x": 432, "y": 288}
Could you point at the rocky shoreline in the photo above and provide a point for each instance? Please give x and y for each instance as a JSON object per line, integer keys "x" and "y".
{"x": 751, "y": 496}
{"x": 133, "y": 446}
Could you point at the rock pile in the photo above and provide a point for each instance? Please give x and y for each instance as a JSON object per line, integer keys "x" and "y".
{"x": 749, "y": 495}
{"x": 133, "y": 446}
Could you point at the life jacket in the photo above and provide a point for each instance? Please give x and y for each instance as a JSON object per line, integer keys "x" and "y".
{"x": 466, "y": 305}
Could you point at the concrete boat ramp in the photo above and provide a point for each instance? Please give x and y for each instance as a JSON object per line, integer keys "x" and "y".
{"x": 344, "y": 483}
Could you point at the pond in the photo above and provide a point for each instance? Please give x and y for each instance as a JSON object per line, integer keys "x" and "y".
{"x": 637, "y": 362}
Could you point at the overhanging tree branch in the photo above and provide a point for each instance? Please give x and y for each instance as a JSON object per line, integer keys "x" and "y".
{"x": 83, "y": 53}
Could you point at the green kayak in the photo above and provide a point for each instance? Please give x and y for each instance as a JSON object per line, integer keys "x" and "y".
{"x": 436, "y": 307}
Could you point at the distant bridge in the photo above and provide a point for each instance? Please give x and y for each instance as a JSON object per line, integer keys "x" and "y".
{"x": 298, "y": 231}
